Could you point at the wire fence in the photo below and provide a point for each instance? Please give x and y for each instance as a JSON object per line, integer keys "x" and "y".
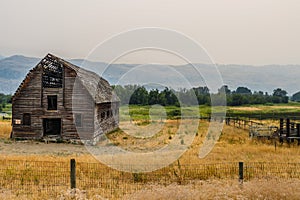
{"x": 270, "y": 170}
{"x": 34, "y": 177}
{"x": 41, "y": 180}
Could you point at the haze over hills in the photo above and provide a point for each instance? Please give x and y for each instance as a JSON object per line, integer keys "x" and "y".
{"x": 257, "y": 78}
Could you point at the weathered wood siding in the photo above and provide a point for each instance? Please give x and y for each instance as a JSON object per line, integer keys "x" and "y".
{"x": 32, "y": 99}
{"x": 78, "y": 101}
{"x": 107, "y": 118}
{"x": 74, "y": 98}
{"x": 28, "y": 101}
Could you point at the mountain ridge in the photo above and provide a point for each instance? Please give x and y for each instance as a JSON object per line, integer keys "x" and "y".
{"x": 265, "y": 78}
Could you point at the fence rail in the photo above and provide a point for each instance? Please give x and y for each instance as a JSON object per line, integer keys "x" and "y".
{"x": 241, "y": 123}
{"x": 49, "y": 179}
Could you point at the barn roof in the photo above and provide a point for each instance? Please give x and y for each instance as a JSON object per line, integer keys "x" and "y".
{"x": 97, "y": 86}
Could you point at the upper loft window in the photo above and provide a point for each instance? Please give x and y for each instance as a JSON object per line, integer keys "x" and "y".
{"x": 52, "y": 74}
{"x": 52, "y": 102}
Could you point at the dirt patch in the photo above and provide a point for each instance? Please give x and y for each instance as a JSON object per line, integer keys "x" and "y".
{"x": 246, "y": 108}
{"x": 29, "y": 147}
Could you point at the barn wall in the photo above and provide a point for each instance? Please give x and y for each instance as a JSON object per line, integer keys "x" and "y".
{"x": 28, "y": 101}
{"x": 106, "y": 117}
{"x": 32, "y": 99}
{"x": 78, "y": 100}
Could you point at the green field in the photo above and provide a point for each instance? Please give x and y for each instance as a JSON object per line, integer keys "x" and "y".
{"x": 7, "y": 110}
{"x": 256, "y": 111}
{"x": 291, "y": 109}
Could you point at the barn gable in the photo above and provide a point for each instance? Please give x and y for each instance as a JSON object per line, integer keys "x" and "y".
{"x": 52, "y": 67}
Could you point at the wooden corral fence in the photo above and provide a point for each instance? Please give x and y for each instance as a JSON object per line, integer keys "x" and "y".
{"x": 289, "y": 131}
{"x": 256, "y": 129}
{"x": 263, "y": 131}
{"x": 242, "y": 123}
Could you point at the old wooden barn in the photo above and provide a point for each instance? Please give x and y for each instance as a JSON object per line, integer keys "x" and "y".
{"x": 62, "y": 101}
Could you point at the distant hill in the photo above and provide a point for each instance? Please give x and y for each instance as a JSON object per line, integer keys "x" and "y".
{"x": 265, "y": 78}
{"x": 13, "y": 70}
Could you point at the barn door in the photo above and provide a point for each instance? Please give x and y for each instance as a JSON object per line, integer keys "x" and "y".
{"x": 52, "y": 127}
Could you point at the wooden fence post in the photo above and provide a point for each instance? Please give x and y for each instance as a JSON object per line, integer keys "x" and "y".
{"x": 298, "y": 133}
{"x": 288, "y": 130}
{"x": 292, "y": 131}
{"x": 73, "y": 173}
{"x": 281, "y": 126}
{"x": 241, "y": 172}
{"x": 281, "y": 130}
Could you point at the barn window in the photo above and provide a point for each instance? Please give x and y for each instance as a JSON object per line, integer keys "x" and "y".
{"x": 102, "y": 116}
{"x": 17, "y": 121}
{"x": 116, "y": 112}
{"x": 78, "y": 120}
{"x": 26, "y": 119}
{"x": 52, "y": 74}
{"x": 52, "y": 102}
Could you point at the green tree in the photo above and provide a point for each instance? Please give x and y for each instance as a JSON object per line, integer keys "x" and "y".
{"x": 224, "y": 89}
{"x": 154, "y": 97}
{"x": 201, "y": 90}
{"x": 243, "y": 90}
{"x": 279, "y": 92}
{"x": 279, "y": 96}
{"x": 139, "y": 96}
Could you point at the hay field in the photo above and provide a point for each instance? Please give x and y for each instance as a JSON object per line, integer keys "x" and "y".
{"x": 234, "y": 145}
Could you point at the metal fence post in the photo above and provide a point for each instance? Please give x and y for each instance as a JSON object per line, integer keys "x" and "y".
{"x": 241, "y": 172}
{"x": 73, "y": 173}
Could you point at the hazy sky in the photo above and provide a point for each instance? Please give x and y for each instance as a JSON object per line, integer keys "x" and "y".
{"x": 232, "y": 31}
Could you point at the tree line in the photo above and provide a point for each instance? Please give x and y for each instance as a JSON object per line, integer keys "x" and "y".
{"x": 4, "y": 100}
{"x": 139, "y": 95}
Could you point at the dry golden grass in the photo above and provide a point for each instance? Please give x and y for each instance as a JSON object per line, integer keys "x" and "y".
{"x": 223, "y": 189}
{"x": 99, "y": 180}
{"x": 195, "y": 190}
{"x": 234, "y": 145}
{"x": 5, "y": 129}
{"x": 245, "y": 108}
